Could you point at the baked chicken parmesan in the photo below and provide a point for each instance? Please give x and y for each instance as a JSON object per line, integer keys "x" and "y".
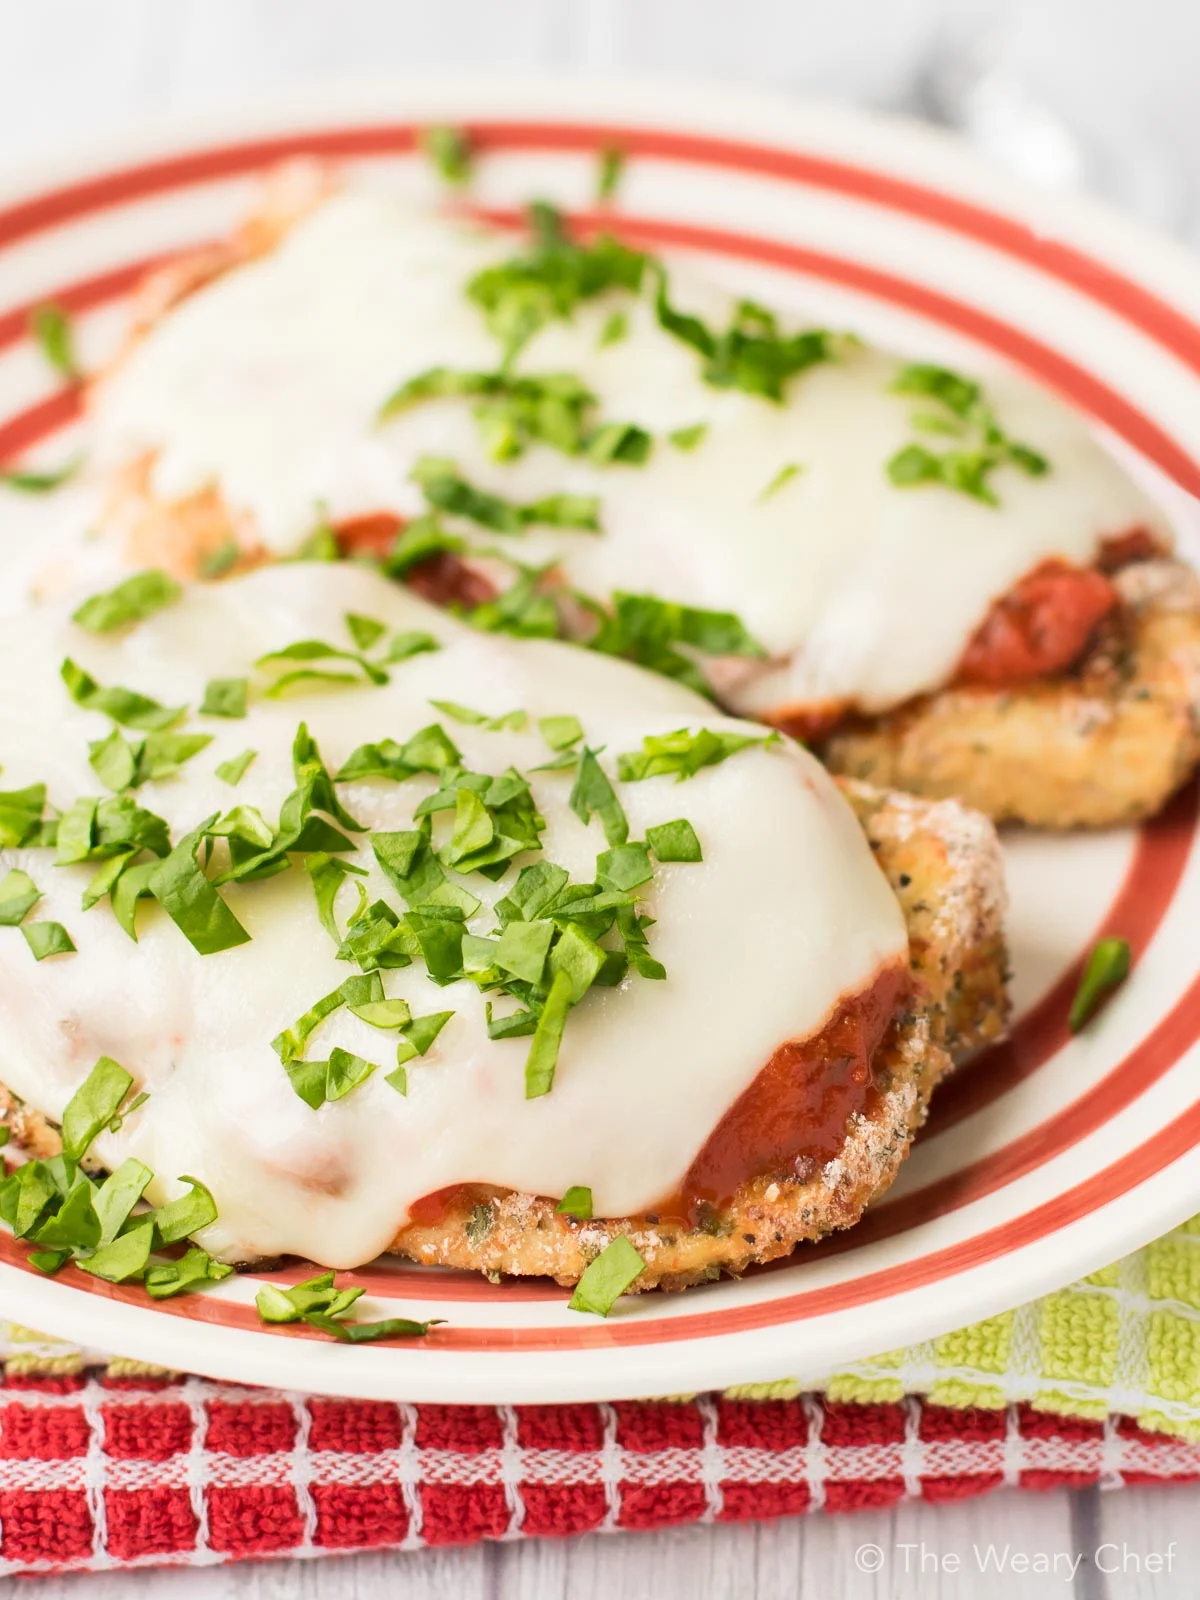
{"x": 338, "y": 926}
{"x": 923, "y": 574}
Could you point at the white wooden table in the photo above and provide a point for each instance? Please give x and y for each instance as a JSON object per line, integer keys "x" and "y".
{"x": 1102, "y": 69}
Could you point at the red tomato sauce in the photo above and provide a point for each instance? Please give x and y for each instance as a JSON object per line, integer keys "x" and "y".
{"x": 1040, "y": 627}
{"x": 792, "y": 1118}
{"x": 442, "y": 579}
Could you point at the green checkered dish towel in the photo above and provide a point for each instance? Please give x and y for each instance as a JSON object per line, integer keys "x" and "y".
{"x": 1125, "y": 1340}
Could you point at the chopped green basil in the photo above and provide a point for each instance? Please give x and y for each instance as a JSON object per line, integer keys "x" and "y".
{"x": 446, "y": 490}
{"x": 190, "y": 900}
{"x": 192, "y": 1269}
{"x": 782, "y": 477}
{"x": 93, "y": 1106}
{"x": 984, "y": 444}
{"x": 612, "y": 165}
{"x": 51, "y": 328}
{"x": 615, "y": 329}
{"x": 47, "y": 939}
{"x": 449, "y": 150}
{"x": 577, "y": 1202}
{"x": 751, "y": 354}
{"x": 592, "y": 793}
{"x": 685, "y": 753}
{"x": 234, "y": 770}
{"x": 27, "y": 481}
{"x": 132, "y": 601}
{"x": 674, "y": 841}
{"x": 126, "y": 706}
{"x": 225, "y": 697}
{"x": 179, "y": 1218}
{"x": 560, "y": 733}
{"x": 607, "y": 1278}
{"x": 688, "y": 438}
{"x": 21, "y": 814}
{"x": 1107, "y": 968}
{"x": 547, "y": 1038}
{"x": 18, "y": 896}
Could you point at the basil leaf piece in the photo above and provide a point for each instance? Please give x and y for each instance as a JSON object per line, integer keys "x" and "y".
{"x": 21, "y": 814}
{"x": 126, "y": 706}
{"x": 607, "y": 1278}
{"x": 577, "y": 1202}
{"x": 186, "y": 1215}
{"x": 51, "y": 328}
{"x": 547, "y": 1038}
{"x": 161, "y": 755}
{"x": 362, "y": 991}
{"x": 516, "y": 1025}
{"x": 28, "y": 482}
{"x": 24, "y": 1196}
{"x": 616, "y": 328}
{"x": 191, "y": 902}
{"x": 384, "y": 1013}
{"x": 579, "y": 958}
{"x": 1107, "y": 968}
{"x": 674, "y": 841}
{"x": 48, "y": 1261}
{"x": 422, "y": 1031}
{"x": 225, "y": 697}
{"x": 413, "y": 642}
{"x": 366, "y": 1332}
{"x": 612, "y": 166}
{"x": 93, "y": 1106}
{"x": 75, "y": 1225}
{"x": 117, "y": 1196}
{"x": 328, "y": 874}
{"x": 114, "y": 760}
{"x": 47, "y": 939}
{"x": 307, "y": 1078}
{"x": 522, "y": 949}
{"x": 345, "y": 1072}
{"x": 18, "y": 896}
{"x": 592, "y": 793}
{"x": 133, "y": 600}
{"x": 215, "y": 563}
{"x": 449, "y": 149}
{"x": 365, "y": 631}
{"x": 448, "y": 491}
{"x": 123, "y": 1257}
{"x": 624, "y": 867}
{"x": 192, "y": 1269}
{"x": 684, "y": 753}
{"x": 560, "y": 733}
{"x": 984, "y": 444}
{"x": 751, "y": 354}
{"x": 234, "y": 770}
{"x": 784, "y": 476}
{"x": 688, "y": 438}
{"x": 132, "y": 885}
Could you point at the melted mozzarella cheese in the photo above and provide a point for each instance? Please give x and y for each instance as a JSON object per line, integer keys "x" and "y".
{"x": 786, "y": 913}
{"x": 268, "y": 382}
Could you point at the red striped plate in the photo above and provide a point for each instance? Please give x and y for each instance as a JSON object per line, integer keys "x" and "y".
{"x": 1045, "y": 1158}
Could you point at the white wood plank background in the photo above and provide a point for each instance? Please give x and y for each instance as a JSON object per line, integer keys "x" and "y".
{"x": 1116, "y": 75}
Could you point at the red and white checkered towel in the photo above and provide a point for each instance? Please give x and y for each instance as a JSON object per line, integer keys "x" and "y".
{"x": 101, "y": 1472}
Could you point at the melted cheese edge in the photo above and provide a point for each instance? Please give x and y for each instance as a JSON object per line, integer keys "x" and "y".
{"x": 787, "y": 912}
{"x": 268, "y": 381}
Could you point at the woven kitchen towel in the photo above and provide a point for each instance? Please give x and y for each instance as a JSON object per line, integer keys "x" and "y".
{"x": 99, "y": 1470}
{"x": 118, "y": 1464}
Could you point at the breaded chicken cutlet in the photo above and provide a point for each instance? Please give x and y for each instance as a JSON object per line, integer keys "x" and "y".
{"x": 945, "y": 585}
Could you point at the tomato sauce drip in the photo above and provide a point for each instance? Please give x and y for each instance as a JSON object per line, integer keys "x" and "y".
{"x": 1039, "y": 627}
{"x": 793, "y": 1117}
{"x": 442, "y": 579}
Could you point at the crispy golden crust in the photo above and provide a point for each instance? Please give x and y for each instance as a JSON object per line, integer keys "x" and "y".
{"x": 1108, "y": 743}
{"x": 944, "y": 864}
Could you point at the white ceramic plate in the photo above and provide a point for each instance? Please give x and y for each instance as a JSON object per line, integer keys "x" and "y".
{"x": 1045, "y": 1158}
